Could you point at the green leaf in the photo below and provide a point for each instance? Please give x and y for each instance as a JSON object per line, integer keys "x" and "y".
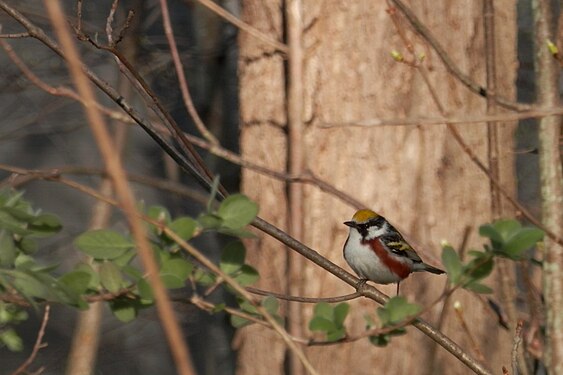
{"x": 452, "y": 263}
{"x": 8, "y": 250}
{"x": 340, "y": 313}
{"x": 239, "y": 322}
{"x": 478, "y": 288}
{"x": 175, "y": 271}
{"x": 123, "y": 309}
{"x": 524, "y": 239}
{"x": 319, "y": 323}
{"x": 184, "y": 227}
{"x": 29, "y": 286}
{"x": 27, "y": 245}
{"x": 76, "y": 281}
{"x": 506, "y": 228}
{"x": 94, "y": 282}
{"x": 110, "y": 277}
{"x": 480, "y": 267}
{"x": 125, "y": 258}
{"x": 271, "y": 304}
{"x": 324, "y": 310}
{"x": 159, "y": 213}
{"x": 232, "y": 258}
{"x": 336, "y": 335}
{"x": 219, "y": 308}
{"x": 145, "y": 291}
{"x": 489, "y": 231}
{"x": 247, "y": 275}
{"x": 45, "y": 225}
{"x": 240, "y": 233}
{"x": 13, "y": 225}
{"x": 209, "y": 221}
{"x": 103, "y": 244}
{"x": 397, "y": 310}
{"x": 11, "y": 340}
{"x": 172, "y": 281}
{"x": 21, "y": 214}
{"x": 204, "y": 278}
{"x": 237, "y": 211}
{"x": 380, "y": 340}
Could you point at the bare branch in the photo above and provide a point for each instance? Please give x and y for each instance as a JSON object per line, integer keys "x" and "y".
{"x": 515, "y": 344}
{"x": 209, "y": 4}
{"x": 417, "y": 121}
{"x": 38, "y": 345}
{"x": 188, "y": 102}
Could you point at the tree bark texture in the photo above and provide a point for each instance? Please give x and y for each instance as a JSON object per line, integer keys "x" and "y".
{"x": 551, "y": 179}
{"x": 417, "y": 177}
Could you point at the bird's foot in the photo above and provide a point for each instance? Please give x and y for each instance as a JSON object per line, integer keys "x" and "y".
{"x": 361, "y": 285}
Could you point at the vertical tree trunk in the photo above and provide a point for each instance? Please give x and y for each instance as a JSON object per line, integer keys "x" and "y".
{"x": 551, "y": 176}
{"x": 415, "y": 176}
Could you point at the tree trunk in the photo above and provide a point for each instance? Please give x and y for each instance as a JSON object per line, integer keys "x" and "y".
{"x": 417, "y": 177}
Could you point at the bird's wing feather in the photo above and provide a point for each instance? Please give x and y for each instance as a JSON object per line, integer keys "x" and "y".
{"x": 397, "y": 245}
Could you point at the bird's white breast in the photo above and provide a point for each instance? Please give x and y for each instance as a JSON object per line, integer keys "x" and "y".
{"x": 364, "y": 261}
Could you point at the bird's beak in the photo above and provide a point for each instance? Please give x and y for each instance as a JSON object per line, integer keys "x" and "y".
{"x": 351, "y": 224}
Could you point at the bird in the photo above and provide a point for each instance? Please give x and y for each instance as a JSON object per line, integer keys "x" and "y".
{"x": 376, "y": 251}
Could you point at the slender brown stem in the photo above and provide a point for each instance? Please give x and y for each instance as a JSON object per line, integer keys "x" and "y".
{"x": 296, "y": 159}
{"x": 242, "y": 25}
{"x": 38, "y": 345}
{"x": 182, "y": 77}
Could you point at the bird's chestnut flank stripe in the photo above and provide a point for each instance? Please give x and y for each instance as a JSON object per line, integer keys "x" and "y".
{"x": 402, "y": 269}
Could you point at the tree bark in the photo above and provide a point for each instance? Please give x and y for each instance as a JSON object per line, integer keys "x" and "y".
{"x": 417, "y": 177}
{"x": 551, "y": 179}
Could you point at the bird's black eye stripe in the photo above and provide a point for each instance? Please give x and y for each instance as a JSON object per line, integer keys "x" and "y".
{"x": 363, "y": 228}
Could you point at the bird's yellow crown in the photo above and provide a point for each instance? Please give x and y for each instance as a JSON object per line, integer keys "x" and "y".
{"x": 364, "y": 215}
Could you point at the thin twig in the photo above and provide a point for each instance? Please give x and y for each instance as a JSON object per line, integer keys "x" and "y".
{"x": 212, "y": 6}
{"x": 465, "y": 119}
{"x": 296, "y": 164}
{"x": 286, "y": 297}
{"x": 14, "y": 36}
{"x": 38, "y": 343}
{"x": 515, "y": 344}
{"x": 459, "y": 314}
{"x": 186, "y": 96}
{"x": 109, "y": 21}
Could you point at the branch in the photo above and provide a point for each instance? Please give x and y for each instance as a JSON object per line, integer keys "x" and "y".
{"x": 515, "y": 344}
{"x": 212, "y": 6}
{"x": 182, "y": 77}
{"x": 38, "y": 345}
{"x": 533, "y": 112}
{"x": 423, "y": 31}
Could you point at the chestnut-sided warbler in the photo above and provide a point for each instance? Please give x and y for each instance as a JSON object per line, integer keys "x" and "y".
{"x": 376, "y": 251}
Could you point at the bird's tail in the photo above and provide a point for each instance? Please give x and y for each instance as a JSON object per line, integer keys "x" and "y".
{"x": 428, "y": 268}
